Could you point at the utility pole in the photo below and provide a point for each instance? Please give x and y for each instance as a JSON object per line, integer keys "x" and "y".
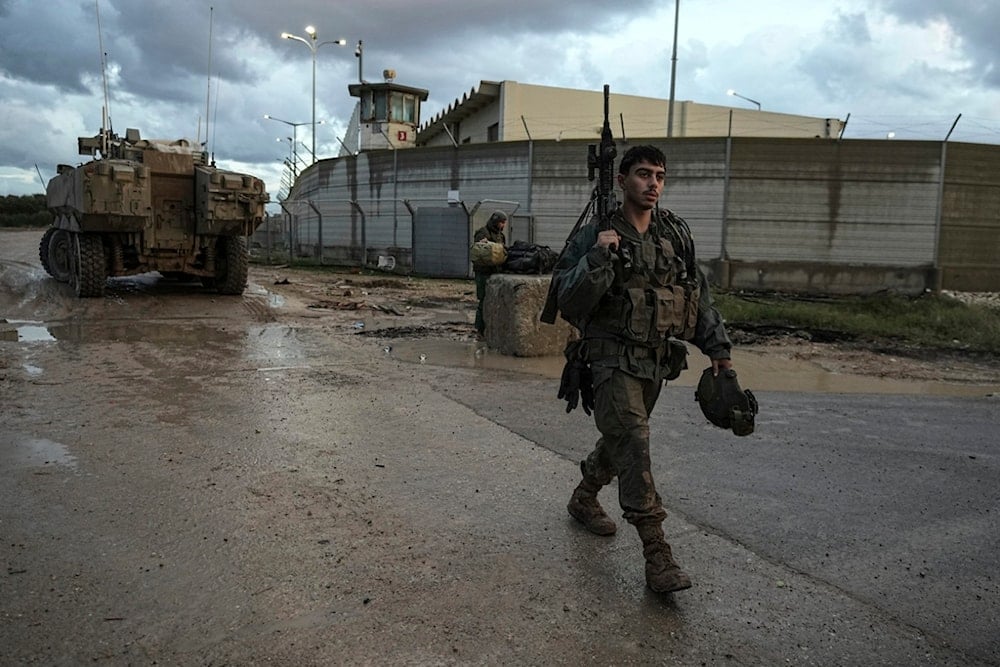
{"x": 673, "y": 71}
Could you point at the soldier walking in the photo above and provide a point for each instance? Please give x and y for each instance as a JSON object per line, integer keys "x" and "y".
{"x": 634, "y": 291}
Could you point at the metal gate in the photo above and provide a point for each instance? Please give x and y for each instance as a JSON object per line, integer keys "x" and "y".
{"x": 441, "y": 242}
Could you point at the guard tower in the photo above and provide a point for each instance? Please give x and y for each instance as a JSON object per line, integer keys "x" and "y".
{"x": 386, "y": 116}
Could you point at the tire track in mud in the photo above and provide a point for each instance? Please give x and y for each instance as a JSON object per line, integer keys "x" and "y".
{"x": 258, "y": 308}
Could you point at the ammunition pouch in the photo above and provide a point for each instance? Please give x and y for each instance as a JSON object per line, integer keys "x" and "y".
{"x": 651, "y": 314}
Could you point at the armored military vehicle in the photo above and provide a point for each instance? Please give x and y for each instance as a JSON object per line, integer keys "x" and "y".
{"x": 147, "y": 205}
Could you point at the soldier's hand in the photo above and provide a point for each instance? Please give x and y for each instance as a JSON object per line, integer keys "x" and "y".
{"x": 721, "y": 365}
{"x": 608, "y": 239}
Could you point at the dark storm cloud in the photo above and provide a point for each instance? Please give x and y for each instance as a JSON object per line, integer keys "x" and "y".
{"x": 155, "y": 48}
{"x": 408, "y": 23}
{"x": 157, "y": 53}
{"x": 42, "y": 42}
{"x": 159, "y": 48}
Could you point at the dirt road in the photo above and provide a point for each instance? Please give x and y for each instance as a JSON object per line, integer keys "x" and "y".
{"x": 196, "y": 479}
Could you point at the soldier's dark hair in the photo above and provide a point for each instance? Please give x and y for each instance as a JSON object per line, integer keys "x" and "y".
{"x": 636, "y": 154}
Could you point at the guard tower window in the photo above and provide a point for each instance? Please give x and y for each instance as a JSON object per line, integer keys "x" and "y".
{"x": 367, "y": 108}
{"x": 403, "y": 108}
{"x": 493, "y": 133}
{"x": 373, "y": 106}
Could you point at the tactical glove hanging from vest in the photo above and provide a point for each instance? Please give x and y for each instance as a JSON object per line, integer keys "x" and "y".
{"x": 577, "y": 383}
{"x": 724, "y": 403}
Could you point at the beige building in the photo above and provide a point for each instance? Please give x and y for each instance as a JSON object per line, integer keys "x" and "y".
{"x": 512, "y": 111}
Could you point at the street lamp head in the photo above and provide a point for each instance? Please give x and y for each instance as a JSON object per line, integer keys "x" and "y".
{"x": 313, "y": 47}
{"x": 743, "y": 97}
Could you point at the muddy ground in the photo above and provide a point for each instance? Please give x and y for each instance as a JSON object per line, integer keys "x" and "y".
{"x": 331, "y": 470}
{"x": 393, "y": 301}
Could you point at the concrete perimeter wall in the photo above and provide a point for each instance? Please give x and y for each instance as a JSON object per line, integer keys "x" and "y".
{"x": 807, "y": 215}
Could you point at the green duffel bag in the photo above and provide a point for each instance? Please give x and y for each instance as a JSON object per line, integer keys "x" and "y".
{"x": 487, "y": 254}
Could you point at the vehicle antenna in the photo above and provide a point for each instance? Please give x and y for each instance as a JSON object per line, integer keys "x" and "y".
{"x": 215, "y": 113}
{"x": 106, "y": 110}
{"x": 39, "y": 171}
{"x": 208, "y": 94}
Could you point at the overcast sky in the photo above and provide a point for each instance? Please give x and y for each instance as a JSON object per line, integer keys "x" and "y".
{"x": 909, "y": 67}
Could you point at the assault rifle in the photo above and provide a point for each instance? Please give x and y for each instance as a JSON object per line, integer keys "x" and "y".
{"x": 600, "y": 159}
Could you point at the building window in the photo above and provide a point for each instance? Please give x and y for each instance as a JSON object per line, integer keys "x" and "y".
{"x": 493, "y": 133}
{"x": 403, "y": 108}
{"x": 367, "y": 112}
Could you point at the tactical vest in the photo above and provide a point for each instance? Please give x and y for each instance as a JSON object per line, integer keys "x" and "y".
{"x": 657, "y": 296}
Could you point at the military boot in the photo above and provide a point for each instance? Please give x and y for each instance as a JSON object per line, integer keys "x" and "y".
{"x": 583, "y": 507}
{"x": 663, "y": 574}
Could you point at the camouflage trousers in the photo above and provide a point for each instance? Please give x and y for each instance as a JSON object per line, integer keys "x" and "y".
{"x": 622, "y": 404}
{"x": 481, "y": 280}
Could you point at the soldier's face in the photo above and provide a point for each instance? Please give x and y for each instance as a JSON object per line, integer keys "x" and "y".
{"x": 643, "y": 184}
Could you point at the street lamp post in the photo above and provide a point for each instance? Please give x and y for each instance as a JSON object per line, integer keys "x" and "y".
{"x": 673, "y": 71}
{"x": 313, "y": 48}
{"x": 293, "y": 156}
{"x": 735, "y": 94}
{"x": 295, "y": 127}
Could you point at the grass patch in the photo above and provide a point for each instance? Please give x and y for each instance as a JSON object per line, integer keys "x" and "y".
{"x": 929, "y": 321}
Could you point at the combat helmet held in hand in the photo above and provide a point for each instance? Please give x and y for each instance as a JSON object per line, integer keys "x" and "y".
{"x": 725, "y": 403}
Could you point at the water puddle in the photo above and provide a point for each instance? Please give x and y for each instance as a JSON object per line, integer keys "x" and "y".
{"x": 129, "y": 331}
{"x": 39, "y": 452}
{"x": 773, "y": 373}
{"x": 25, "y": 331}
{"x": 275, "y": 346}
{"x": 273, "y": 300}
{"x": 470, "y": 354}
{"x": 756, "y": 371}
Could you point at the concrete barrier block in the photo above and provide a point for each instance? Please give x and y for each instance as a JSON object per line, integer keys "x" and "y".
{"x": 510, "y": 310}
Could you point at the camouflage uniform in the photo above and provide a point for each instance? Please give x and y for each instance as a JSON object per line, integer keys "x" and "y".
{"x": 490, "y": 232}
{"x": 625, "y": 317}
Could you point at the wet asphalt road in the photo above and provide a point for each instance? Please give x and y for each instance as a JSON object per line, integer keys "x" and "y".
{"x": 893, "y": 501}
{"x": 189, "y": 480}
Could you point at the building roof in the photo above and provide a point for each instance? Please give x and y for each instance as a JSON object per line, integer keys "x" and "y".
{"x": 469, "y": 104}
{"x": 356, "y": 88}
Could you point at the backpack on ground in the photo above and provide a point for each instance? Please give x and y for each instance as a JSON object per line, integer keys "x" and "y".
{"x": 524, "y": 257}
